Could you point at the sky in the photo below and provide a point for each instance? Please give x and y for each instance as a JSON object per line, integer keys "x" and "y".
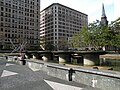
{"x": 93, "y": 8}
{"x": 117, "y": 8}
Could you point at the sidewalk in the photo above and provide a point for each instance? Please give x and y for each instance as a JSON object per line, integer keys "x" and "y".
{"x": 18, "y": 77}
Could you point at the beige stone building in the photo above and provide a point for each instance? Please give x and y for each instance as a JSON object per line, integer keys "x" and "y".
{"x": 58, "y": 23}
{"x": 19, "y": 23}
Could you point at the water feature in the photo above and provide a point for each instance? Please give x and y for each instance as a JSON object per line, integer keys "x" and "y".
{"x": 114, "y": 63}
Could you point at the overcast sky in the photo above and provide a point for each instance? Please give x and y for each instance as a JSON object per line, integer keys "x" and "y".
{"x": 93, "y": 8}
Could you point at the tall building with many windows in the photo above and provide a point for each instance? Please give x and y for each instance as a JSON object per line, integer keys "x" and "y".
{"x": 19, "y": 23}
{"x": 58, "y": 23}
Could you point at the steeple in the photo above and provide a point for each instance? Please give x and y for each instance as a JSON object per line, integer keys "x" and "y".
{"x": 104, "y": 18}
{"x": 103, "y": 11}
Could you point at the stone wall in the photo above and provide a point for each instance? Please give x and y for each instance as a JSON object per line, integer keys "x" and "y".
{"x": 36, "y": 65}
{"x": 59, "y": 71}
{"x": 55, "y": 70}
{"x": 105, "y": 80}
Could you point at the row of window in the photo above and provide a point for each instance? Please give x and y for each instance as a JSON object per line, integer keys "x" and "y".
{"x": 18, "y": 41}
{"x": 51, "y": 38}
{"x": 8, "y": 9}
{"x": 27, "y": 21}
{"x": 66, "y": 27}
{"x": 64, "y": 11}
{"x": 67, "y": 17}
{"x": 18, "y": 31}
{"x": 20, "y": 9}
{"x": 9, "y": 35}
{"x": 20, "y": 3}
{"x": 61, "y": 25}
{"x": 61, "y": 31}
{"x": 15, "y": 25}
{"x": 70, "y": 11}
{"x": 18, "y": 15}
{"x": 64, "y": 20}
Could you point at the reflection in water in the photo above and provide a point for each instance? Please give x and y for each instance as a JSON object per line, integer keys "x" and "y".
{"x": 114, "y": 63}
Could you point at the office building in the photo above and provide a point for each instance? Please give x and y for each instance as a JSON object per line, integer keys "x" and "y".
{"x": 19, "y": 23}
{"x": 58, "y": 23}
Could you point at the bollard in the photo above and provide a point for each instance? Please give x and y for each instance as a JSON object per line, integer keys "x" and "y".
{"x": 70, "y": 75}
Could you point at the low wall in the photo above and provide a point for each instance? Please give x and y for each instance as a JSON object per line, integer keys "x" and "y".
{"x": 36, "y": 65}
{"x": 59, "y": 71}
{"x": 105, "y": 80}
{"x": 55, "y": 70}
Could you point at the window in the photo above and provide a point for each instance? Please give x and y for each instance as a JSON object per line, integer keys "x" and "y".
{"x": 6, "y": 3}
{"x": 9, "y": 15}
{"x": 9, "y": 5}
{"x": 8, "y": 35}
{"x": 2, "y": 3}
{"x": 1, "y": 29}
{"x": 59, "y": 8}
{"x": 5, "y": 30}
{"x": 6, "y": 9}
{"x": 13, "y": 11}
{"x": 5, "y": 35}
{"x": 2, "y": 9}
{"x": 6, "y": 19}
{"x": 9, "y": 10}
{"x": 1, "y": 24}
{"x": 55, "y": 26}
{"x": 2, "y": 14}
{"x": 2, "y": 19}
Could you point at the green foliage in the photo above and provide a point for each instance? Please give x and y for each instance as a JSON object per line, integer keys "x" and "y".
{"x": 115, "y": 26}
{"x": 96, "y": 35}
{"x": 81, "y": 38}
{"x": 49, "y": 46}
{"x": 63, "y": 44}
{"x": 76, "y": 40}
{"x": 117, "y": 40}
{"x": 105, "y": 37}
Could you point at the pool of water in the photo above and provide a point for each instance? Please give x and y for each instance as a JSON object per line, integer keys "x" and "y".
{"x": 114, "y": 63}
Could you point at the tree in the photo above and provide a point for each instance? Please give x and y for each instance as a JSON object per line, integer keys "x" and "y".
{"x": 95, "y": 36}
{"x": 115, "y": 27}
{"x": 49, "y": 46}
{"x": 105, "y": 37}
{"x": 76, "y": 40}
{"x": 81, "y": 39}
{"x": 63, "y": 43}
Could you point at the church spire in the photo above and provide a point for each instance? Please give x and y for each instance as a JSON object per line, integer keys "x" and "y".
{"x": 104, "y": 18}
{"x": 103, "y": 11}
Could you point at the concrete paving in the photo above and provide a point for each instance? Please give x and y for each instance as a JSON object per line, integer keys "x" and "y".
{"x": 17, "y": 77}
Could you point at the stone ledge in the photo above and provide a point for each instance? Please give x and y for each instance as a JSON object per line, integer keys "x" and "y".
{"x": 106, "y": 73}
{"x": 59, "y": 66}
{"x": 112, "y": 74}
